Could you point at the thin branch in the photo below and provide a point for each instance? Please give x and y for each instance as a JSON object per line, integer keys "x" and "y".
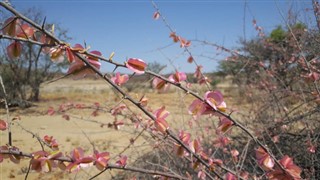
{"x": 172, "y": 31}
{"x": 7, "y": 111}
{"x": 2, "y": 36}
{"x": 41, "y": 142}
{"x": 28, "y": 171}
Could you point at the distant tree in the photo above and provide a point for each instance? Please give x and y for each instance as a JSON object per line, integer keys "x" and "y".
{"x": 156, "y": 67}
{"x": 278, "y": 34}
{"x": 277, "y": 53}
{"x": 24, "y": 75}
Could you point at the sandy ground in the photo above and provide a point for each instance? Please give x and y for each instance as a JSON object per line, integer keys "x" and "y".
{"x": 80, "y": 131}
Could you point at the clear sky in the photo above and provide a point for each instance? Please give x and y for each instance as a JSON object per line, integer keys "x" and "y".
{"x": 127, "y": 27}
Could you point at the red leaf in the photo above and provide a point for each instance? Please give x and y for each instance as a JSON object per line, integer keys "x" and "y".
{"x": 161, "y": 113}
{"x": 1, "y": 158}
{"x": 98, "y": 53}
{"x": 70, "y": 55}
{"x": 197, "y": 74}
{"x": 174, "y": 37}
{"x": 160, "y": 85}
{"x": 178, "y": 77}
{"x": 14, "y": 50}
{"x": 224, "y": 124}
{"x": 190, "y": 59}
{"x": 56, "y": 54}
{"x": 122, "y": 161}
{"x": 25, "y": 31}
{"x": 288, "y": 164}
{"x": 79, "y": 68}
{"x": 215, "y": 99}
{"x": 3, "y": 125}
{"x": 292, "y": 171}
{"x": 78, "y": 47}
{"x": 161, "y": 125}
{"x": 221, "y": 141}
{"x": 51, "y": 111}
{"x": 156, "y": 15}
{"x": 184, "y": 42}
{"x": 264, "y": 159}
{"x": 101, "y": 159}
{"x": 118, "y": 109}
{"x": 48, "y": 139}
{"x": 10, "y": 26}
{"x": 66, "y": 117}
{"x": 197, "y": 108}
{"x": 77, "y": 154}
{"x": 136, "y": 65}
{"x": 184, "y": 137}
{"x": 120, "y": 79}
{"x": 230, "y": 176}
{"x": 195, "y": 146}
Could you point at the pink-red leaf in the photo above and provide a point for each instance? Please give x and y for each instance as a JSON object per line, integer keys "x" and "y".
{"x": 3, "y": 125}
{"x": 161, "y": 125}
{"x": 120, "y": 79}
{"x": 156, "y": 15}
{"x": 57, "y": 54}
{"x": 14, "y": 50}
{"x": 97, "y": 53}
{"x": 292, "y": 171}
{"x": 177, "y": 77}
{"x": 215, "y": 99}
{"x": 161, "y": 113}
{"x": 79, "y": 68}
{"x": 264, "y": 159}
{"x": 25, "y": 31}
{"x": 101, "y": 159}
{"x": 184, "y": 42}
{"x": 136, "y": 65}
{"x": 190, "y": 59}
{"x": 230, "y": 176}
{"x": 122, "y": 161}
{"x": 160, "y": 85}
{"x": 184, "y": 137}
{"x": 77, "y": 154}
{"x": 70, "y": 55}
{"x": 174, "y": 37}
{"x": 10, "y": 26}
{"x": 51, "y": 111}
{"x": 197, "y": 108}
{"x": 224, "y": 124}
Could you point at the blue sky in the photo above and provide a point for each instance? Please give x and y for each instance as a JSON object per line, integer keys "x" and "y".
{"x": 127, "y": 27}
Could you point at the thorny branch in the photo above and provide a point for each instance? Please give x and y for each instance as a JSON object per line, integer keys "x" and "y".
{"x": 137, "y": 104}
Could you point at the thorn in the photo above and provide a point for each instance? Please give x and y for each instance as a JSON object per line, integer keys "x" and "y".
{"x": 43, "y": 23}
{"x": 115, "y": 68}
{"x": 132, "y": 75}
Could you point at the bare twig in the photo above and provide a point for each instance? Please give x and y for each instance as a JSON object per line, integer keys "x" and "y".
{"x": 7, "y": 111}
{"x": 172, "y": 31}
